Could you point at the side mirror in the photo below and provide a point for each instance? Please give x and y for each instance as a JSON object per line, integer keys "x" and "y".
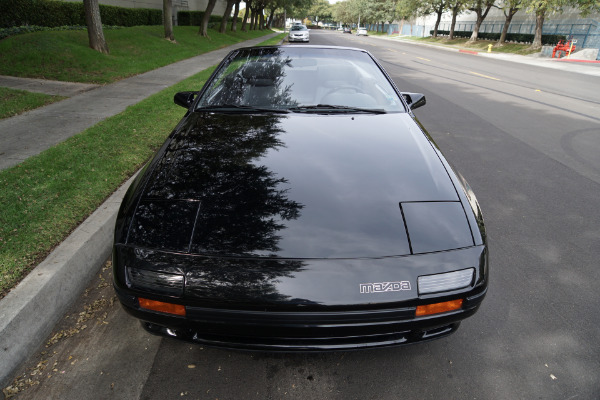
{"x": 414, "y": 100}
{"x": 185, "y": 99}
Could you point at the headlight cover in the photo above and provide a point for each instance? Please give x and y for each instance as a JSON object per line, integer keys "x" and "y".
{"x": 445, "y": 282}
{"x": 156, "y": 282}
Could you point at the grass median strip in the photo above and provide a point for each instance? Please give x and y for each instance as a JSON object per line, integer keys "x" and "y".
{"x": 47, "y": 196}
{"x": 14, "y": 102}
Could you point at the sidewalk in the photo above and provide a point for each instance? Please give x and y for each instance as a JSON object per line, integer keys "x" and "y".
{"x": 29, "y": 312}
{"x": 31, "y": 133}
{"x": 585, "y": 67}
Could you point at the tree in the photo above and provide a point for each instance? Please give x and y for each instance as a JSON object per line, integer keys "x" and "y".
{"x": 206, "y": 17}
{"x": 236, "y": 11}
{"x": 510, "y": 8}
{"x": 542, "y": 8}
{"x": 168, "y": 19}
{"x": 94, "y": 26}
{"x": 481, "y": 8}
{"x": 455, "y": 6}
{"x": 438, "y": 7}
{"x": 226, "y": 15}
{"x": 321, "y": 10}
{"x": 246, "y": 15}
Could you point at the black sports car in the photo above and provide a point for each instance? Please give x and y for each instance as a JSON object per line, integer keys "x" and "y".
{"x": 299, "y": 205}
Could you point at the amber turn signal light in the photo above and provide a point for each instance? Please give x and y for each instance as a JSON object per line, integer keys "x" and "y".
{"x": 437, "y": 308}
{"x": 162, "y": 307}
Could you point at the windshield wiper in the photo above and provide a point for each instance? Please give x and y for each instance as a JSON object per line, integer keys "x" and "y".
{"x": 241, "y": 108}
{"x": 338, "y": 109}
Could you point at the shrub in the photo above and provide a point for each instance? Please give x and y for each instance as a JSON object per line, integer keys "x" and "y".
{"x": 58, "y": 13}
{"x": 16, "y": 30}
{"x": 193, "y": 18}
{"x": 510, "y": 37}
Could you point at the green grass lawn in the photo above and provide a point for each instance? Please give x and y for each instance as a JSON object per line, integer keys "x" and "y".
{"x": 14, "y": 102}
{"x": 44, "y": 198}
{"x": 480, "y": 45}
{"x": 66, "y": 56}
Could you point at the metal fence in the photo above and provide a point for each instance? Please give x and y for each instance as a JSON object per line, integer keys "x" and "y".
{"x": 585, "y": 31}
{"x": 390, "y": 29}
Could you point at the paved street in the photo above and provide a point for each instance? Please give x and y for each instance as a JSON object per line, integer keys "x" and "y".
{"x": 527, "y": 138}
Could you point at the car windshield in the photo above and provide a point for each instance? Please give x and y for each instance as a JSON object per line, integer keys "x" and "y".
{"x": 300, "y": 79}
{"x": 299, "y": 28}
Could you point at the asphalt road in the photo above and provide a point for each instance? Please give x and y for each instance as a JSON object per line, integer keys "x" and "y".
{"x": 528, "y": 141}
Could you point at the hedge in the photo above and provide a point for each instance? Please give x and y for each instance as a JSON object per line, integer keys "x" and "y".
{"x": 58, "y": 13}
{"x": 193, "y": 18}
{"x": 510, "y": 37}
{"x": 17, "y": 30}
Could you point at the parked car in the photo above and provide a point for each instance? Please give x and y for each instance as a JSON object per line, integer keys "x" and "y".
{"x": 299, "y": 33}
{"x": 361, "y": 31}
{"x": 347, "y": 29}
{"x": 299, "y": 205}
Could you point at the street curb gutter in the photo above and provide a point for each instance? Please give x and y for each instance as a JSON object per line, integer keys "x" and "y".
{"x": 30, "y": 311}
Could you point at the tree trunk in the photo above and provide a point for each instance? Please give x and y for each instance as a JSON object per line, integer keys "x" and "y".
{"x": 509, "y": 17}
{"x": 453, "y": 24}
{"x": 262, "y": 20}
{"x": 206, "y": 17}
{"x": 254, "y": 19}
{"x": 94, "y": 26}
{"x": 236, "y": 11}
{"x": 439, "y": 12}
{"x": 540, "y": 15}
{"x": 168, "y": 19}
{"x": 271, "y": 18}
{"x": 246, "y": 15}
{"x": 226, "y": 15}
{"x": 480, "y": 17}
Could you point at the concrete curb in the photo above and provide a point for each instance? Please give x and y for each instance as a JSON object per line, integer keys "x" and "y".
{"x": 31, "y": 310}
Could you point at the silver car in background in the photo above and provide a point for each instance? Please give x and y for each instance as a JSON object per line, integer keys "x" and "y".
{"x": 299, "y": 33}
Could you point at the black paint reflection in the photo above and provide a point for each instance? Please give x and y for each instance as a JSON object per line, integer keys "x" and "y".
{"x": 226, "y": 280}
{"x": 221, "y": 280}
{"x": 214, "y": 196}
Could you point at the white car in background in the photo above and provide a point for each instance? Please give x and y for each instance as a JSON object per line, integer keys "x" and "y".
{"x": 361, "y": 31}
{"x": 299, "y": 33}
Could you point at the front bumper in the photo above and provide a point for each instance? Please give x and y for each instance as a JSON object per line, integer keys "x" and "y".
{"x": 318, "y": 330}
{"x": 298, "y": 39}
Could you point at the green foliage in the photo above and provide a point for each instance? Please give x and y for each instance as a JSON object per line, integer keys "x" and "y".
{"x": 510, "y": 37}
{"x": 320, "y": 9}
{"x": 193, "y": 18}
{"x": 17, "y": 30}
{"x": 61, "y": 13}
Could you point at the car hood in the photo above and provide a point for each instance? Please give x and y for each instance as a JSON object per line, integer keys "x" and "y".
{"x": 297, "y": 186}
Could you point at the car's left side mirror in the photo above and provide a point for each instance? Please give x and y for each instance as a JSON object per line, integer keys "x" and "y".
{"x": 414, "y": 100}
{"x": 185, "y": 99}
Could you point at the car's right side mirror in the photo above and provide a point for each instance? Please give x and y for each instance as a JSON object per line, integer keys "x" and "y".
{"x": 414, "y": 100}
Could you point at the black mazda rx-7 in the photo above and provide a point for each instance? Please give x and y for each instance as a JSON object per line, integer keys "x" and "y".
{"x": 299, "y": 205}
